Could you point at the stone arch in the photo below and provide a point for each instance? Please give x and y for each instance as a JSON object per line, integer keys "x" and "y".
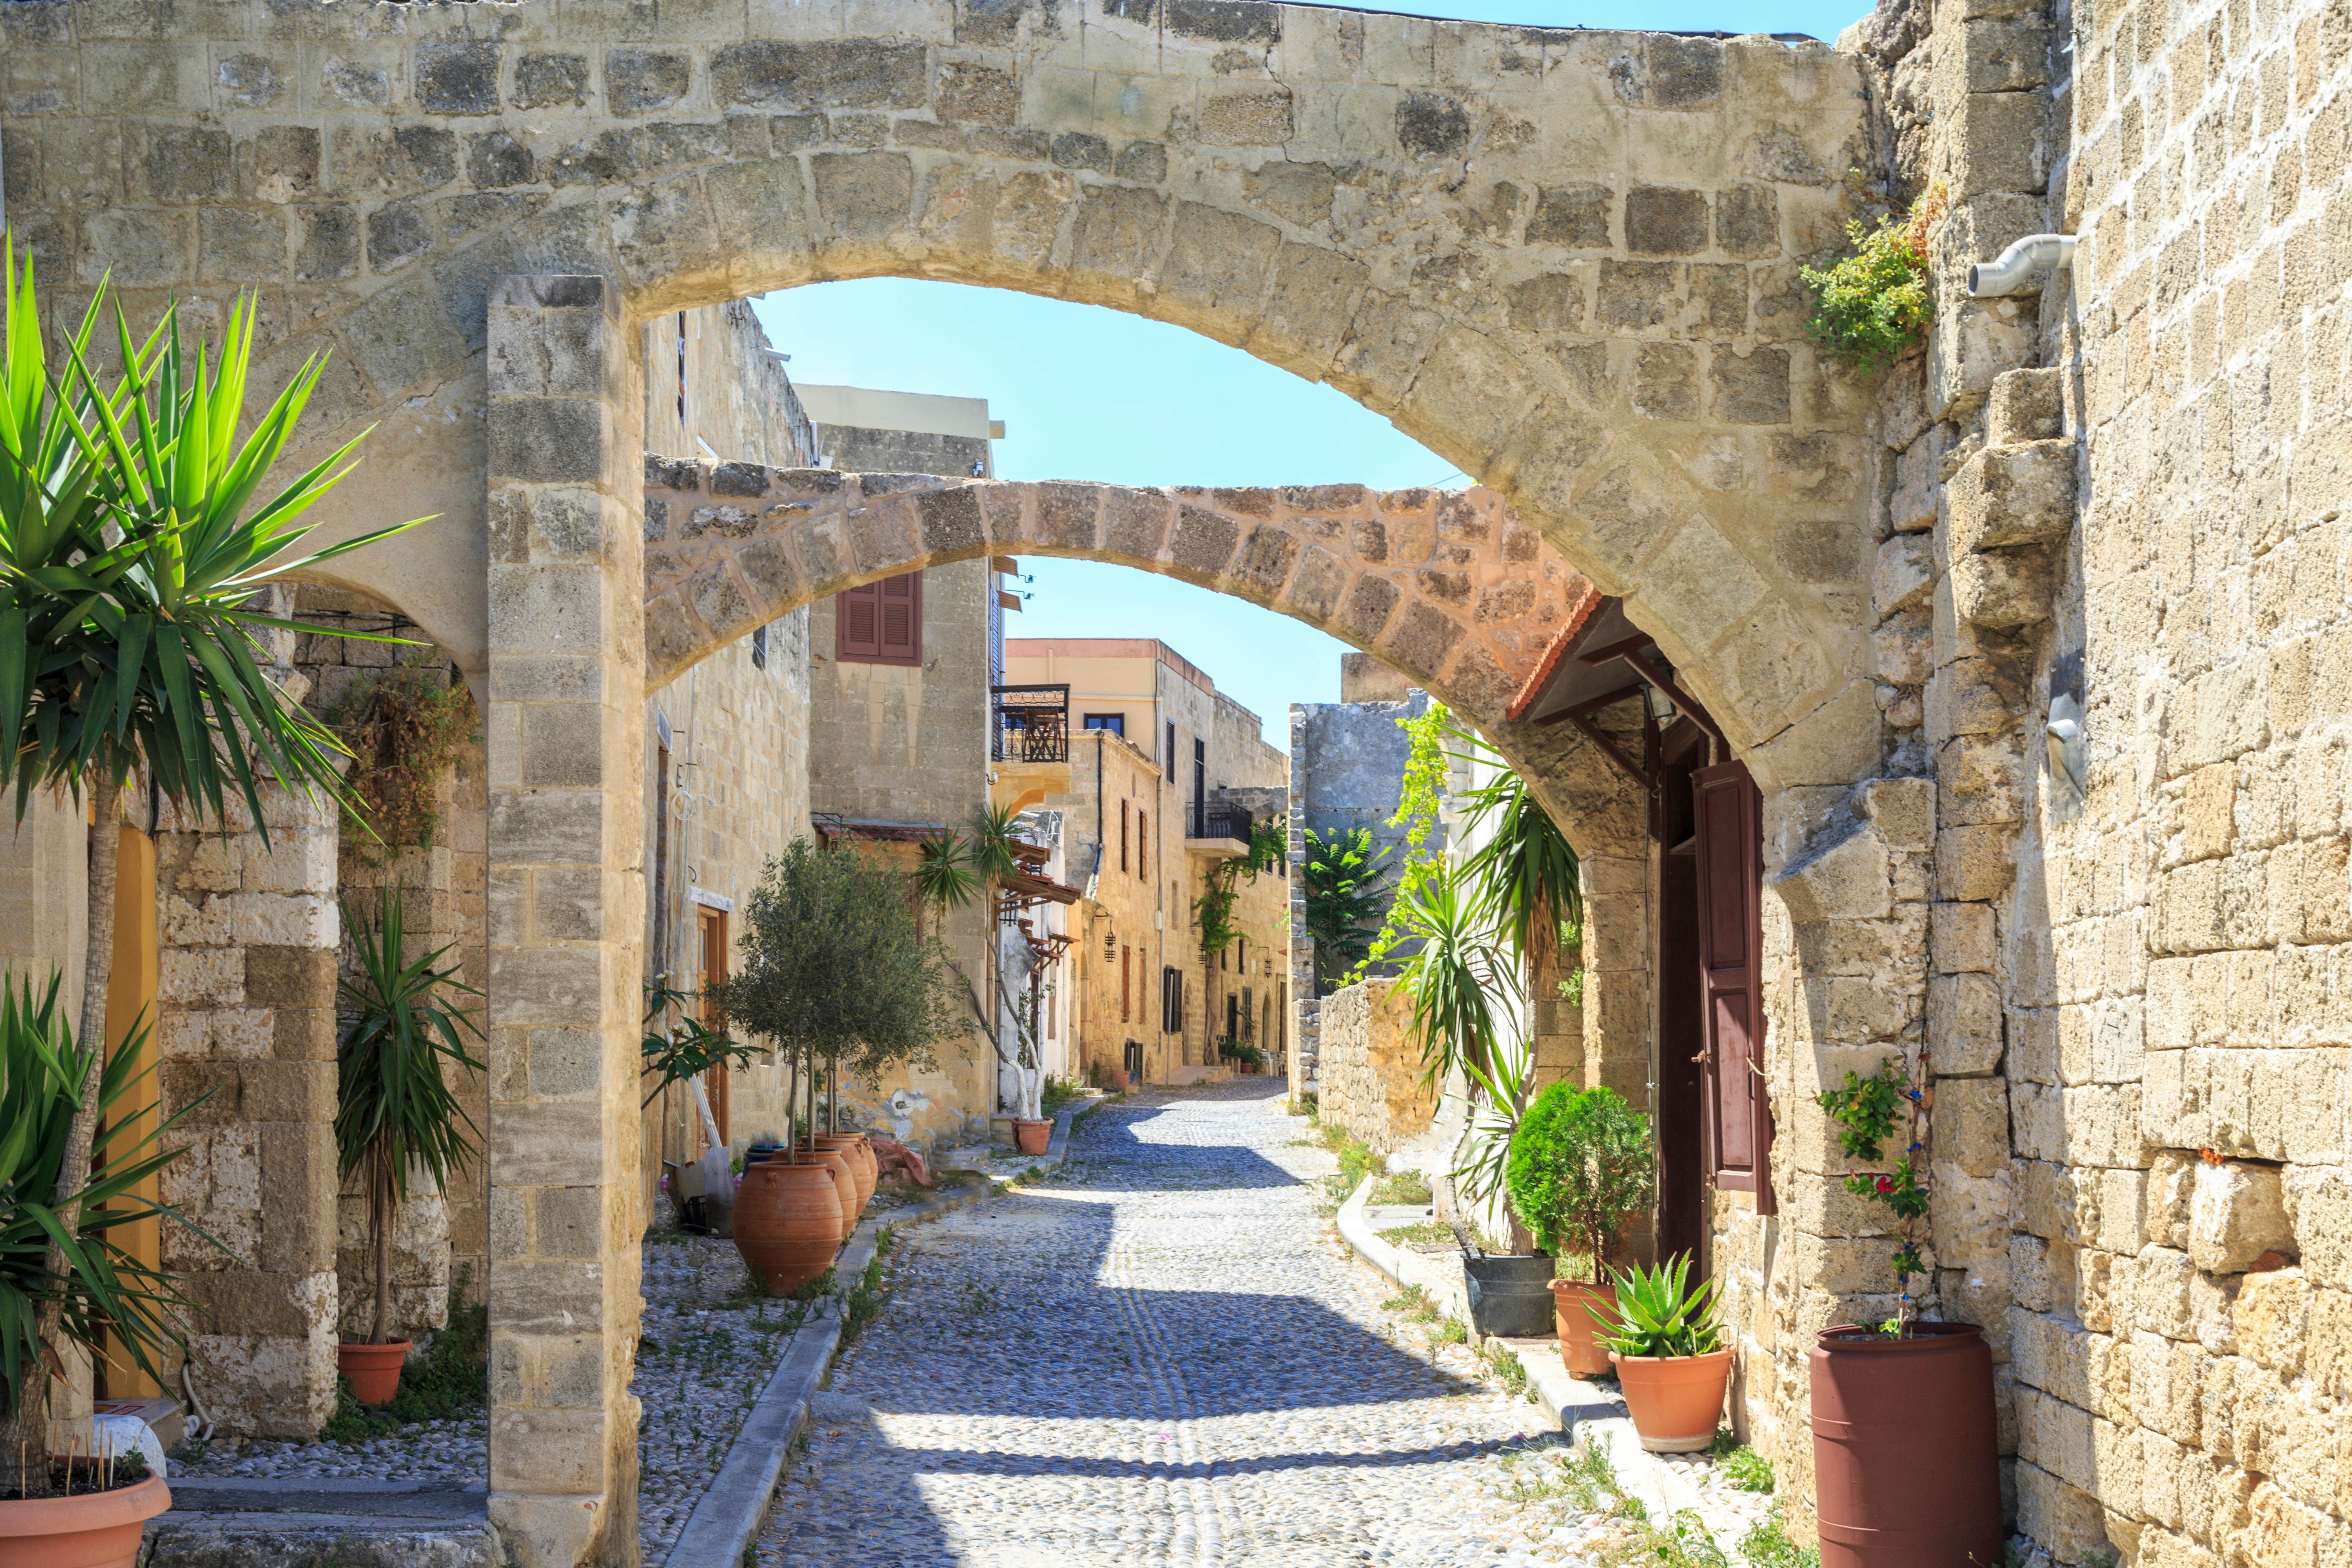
{"x": 1563, "y": 260}
{"x": 1448, "y": 587}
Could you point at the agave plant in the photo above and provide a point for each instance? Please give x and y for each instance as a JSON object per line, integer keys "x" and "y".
{"x": 1660, "y": 1313}
{"x": 96, "y": 1289}
{"x": 133, "y": 568}
{"x": 395, "y": 1115}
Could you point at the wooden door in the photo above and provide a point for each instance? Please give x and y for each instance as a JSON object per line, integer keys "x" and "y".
{"x": 1730, "y": 852}
{"x": 712, "y": 926}
{"x": 131, "y": 996}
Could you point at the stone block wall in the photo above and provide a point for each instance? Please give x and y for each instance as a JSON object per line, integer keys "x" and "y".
{"x": 246, "y": 965}
{"x": 1371, "y": 1066}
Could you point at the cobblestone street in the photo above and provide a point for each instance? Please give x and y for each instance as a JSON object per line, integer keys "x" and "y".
{"x": 1155, "y": 1355}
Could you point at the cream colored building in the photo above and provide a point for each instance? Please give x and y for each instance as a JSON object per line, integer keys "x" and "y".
{"x": 1163, "y": 777}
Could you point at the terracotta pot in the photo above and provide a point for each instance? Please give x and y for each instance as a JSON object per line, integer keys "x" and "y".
{"x": 1676, "y": 1401}
{"x": 787, "y": 1222}
{"x": 851, "y": 1147}
{"x": 1887, "y": 1412}
{"x": 844, "y": 1185}
{"x": 89, "y": 1530}
{"x": 1580, "y": 1349}
{"x": 1030, "y": 1137}
{"x": 373, "y": 1369}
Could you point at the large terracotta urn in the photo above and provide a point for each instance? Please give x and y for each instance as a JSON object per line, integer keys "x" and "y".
{"x": 844, "y": 1185}
{"x": 851, "y": 1147}
{"x": 787, "y": 1222}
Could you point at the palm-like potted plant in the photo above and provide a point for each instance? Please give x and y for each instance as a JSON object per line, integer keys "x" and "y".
{"x": 1668, "y": 1342}
{"x": 104, "y": 1298}
{"x": 397, "y": 1121}
{"x": 135, "y": 568}
{"x": 1581, "y": 1162}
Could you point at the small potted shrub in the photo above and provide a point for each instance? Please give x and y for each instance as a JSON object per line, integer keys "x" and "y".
{"x": 1903, "y": 1398}
{"x": 395, "y": 1118}
{"x": 76, "y": 1510}
{"x": 1670, "y": 1360}
{"x": 1580, "y": 1162}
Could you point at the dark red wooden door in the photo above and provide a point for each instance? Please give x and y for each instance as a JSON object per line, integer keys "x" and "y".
{"x": 1739, "y": 1119}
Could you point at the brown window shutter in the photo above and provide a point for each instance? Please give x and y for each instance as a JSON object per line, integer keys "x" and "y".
{"x": 902, "y": 619}
{"x": 1125, "y": 954}
{"x": 1122, "y": 835}
{"x": 1142, "y": 841}
{"x": 857, "y": 621}
{"x": 1737, "y": 1119}
{"x": 881, "y": 622}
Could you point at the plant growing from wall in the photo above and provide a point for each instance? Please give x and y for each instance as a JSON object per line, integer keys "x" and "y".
{"x": 136, "y": 553}
{"x": 1420, "y": 794}
{"x": 1581, "y": 1162}
{"x": 1867, "y": 1112}
{"x": 1345, "y": 898}
{"x": 403, "y": 727}
{"x": 1874, "y": 306}
{"x": 1213, "y": 912}
{"x": 396, "y": 1116}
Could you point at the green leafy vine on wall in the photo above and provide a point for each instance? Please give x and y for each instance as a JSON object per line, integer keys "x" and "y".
{"x": 1867, "y": 1112}
{"x": 1213, "y": 912}
{"x": 1872, "y": 308}
{"x": 403, "y": 727}
{"x": 1420, "y": 793}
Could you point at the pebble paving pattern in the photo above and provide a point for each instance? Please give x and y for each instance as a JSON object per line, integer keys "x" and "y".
{"x": 1157, "y": 1355}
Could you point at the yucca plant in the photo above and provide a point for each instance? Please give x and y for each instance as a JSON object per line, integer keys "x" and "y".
{"x": 1660, "y": 1313}
{"x": 75, "y": 1274}
{"x": 396, "y": 1116}
{"x": 947, "y": 877}
{"x": 133, "y": 568}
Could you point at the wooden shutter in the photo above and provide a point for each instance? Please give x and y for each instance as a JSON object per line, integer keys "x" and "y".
{"x": 1142, "y": 840}
{"x": 1739, "y": 1119}
{"x": 881, "y": 622}
{"x": 1122, "y": 835}
{"x": 1126, "y": 954}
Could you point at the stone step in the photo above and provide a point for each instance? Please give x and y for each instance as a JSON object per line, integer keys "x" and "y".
{"x": 322, "y": 1521}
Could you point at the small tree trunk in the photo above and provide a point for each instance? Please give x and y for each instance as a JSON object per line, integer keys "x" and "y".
{"x": 28, "y": 1436}
{"x": 380, "y": 1220}
{"x": 792, "y": 1105}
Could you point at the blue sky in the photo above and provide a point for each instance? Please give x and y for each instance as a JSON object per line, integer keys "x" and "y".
{"x": 1090, "y": 393}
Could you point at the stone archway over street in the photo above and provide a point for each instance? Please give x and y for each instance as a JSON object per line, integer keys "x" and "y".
{"x": 1448, "y": 587}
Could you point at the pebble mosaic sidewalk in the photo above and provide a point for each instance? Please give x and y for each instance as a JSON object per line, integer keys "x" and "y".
{"x": 1160, "y": 1354}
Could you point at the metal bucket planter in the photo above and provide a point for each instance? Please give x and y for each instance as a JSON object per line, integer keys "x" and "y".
{"x": 1510, "y": 1294}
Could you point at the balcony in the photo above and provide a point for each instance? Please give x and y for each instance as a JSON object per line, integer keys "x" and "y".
{"x": 1032, "y": 724}
{"x": 1218, "y": 831}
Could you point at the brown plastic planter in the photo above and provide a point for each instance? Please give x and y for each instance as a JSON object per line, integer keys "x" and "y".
{"x": 1580, "y": 1349}
{"x": 1907, "y": 1470}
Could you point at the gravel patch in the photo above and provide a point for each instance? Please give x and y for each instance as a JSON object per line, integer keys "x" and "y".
{"x": 709, "y": 1343}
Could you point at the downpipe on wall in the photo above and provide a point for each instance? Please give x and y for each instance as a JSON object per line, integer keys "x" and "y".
{"x": 2014, "y": 270}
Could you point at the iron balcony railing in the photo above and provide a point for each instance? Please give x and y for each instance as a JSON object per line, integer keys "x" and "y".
{"x": 1032, "y": 724}
{"x": 1219, "y": 821}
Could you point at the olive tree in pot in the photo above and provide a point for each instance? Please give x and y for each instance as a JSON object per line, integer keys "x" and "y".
{"x": 1663, "y": 1336}
{"x": 396, "y": 1119}
{"x": 1905, "y": 1398}
{"x": 835, "y": 972}
{"x": 1581, "y": 1162}
{"x": 136, "y": 559}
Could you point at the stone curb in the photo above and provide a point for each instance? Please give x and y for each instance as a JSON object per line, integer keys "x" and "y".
{"x": 1575, "y": 1406}
{"x": 727, "y": 1518}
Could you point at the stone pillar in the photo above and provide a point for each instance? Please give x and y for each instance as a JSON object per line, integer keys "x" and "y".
{"x": 566, "y": 907}
{"x": 246, "y": 1014}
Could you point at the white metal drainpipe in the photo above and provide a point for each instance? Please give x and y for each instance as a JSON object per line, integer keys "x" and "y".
{"x": 2014, "y": 271}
